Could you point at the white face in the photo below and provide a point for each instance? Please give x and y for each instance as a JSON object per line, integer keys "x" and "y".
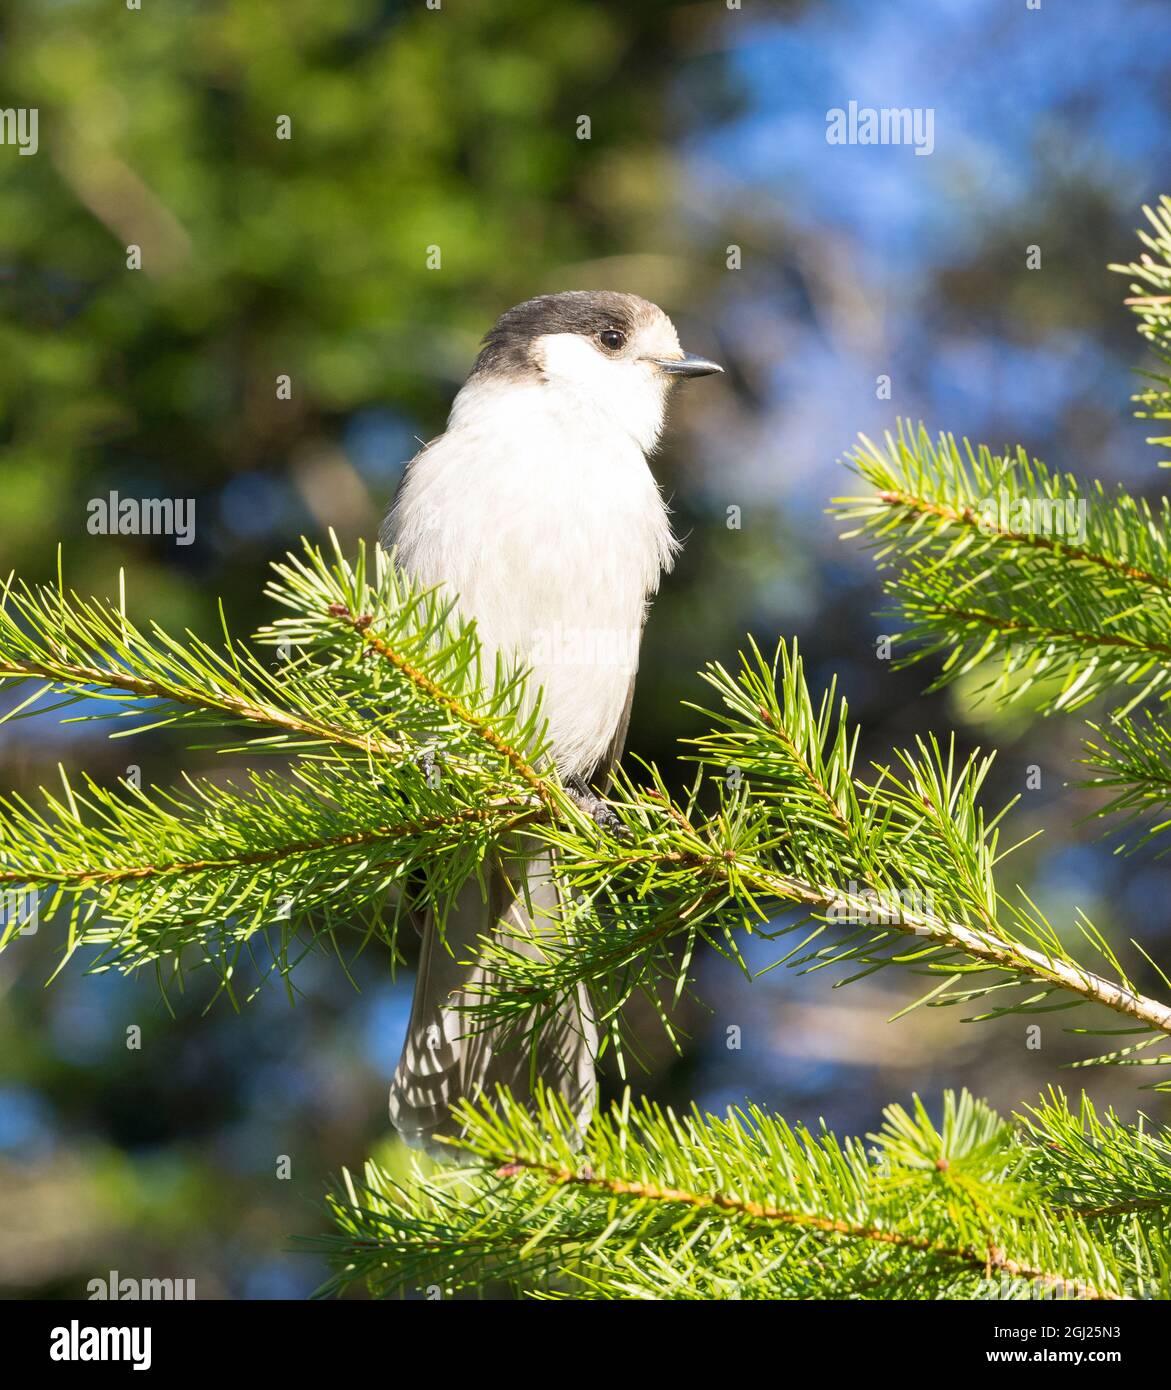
{"x": 615, "y": 376}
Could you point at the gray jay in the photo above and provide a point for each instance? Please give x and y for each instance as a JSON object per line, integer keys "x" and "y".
{"x": 537, "y": 511}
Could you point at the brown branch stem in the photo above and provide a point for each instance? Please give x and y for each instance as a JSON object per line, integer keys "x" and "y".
{"x": 987, "y": 1260}
{"x": 509, "y": 813}
{"x": 110, "y": 678}
{"x": 967, "y": 516}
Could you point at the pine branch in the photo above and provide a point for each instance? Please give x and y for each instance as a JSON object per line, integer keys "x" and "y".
{"x": 318, "y": 698}
{"x": 1131, "y": 757}
{"x": 150, "y": 875}
{"x": 1099, "y": 1168}
{"x": 1151, "y": 303}
{"x": 88, "y": 649}
{"x": 994, "y": 561}
{"x": 895, "y": 869}
{"x": 1070, "y": 617}
{"x": 781, "y": 1212}
{"x": 422, "y": 647}
{"x": 147, "y": 875}
{"x": 898, "y": 869}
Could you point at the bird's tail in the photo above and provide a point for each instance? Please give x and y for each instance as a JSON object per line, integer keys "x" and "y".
{"x": 449, "y": 1054}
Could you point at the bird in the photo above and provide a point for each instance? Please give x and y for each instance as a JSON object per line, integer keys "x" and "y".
{"x": 537, "y": 513}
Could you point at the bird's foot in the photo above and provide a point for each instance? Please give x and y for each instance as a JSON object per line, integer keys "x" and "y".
{"x": 598, "y": 811}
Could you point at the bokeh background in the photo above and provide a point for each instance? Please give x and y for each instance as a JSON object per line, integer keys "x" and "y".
{"x": 457, "y": 127}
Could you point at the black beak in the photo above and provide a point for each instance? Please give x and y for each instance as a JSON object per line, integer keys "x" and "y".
{"x": 690, "y": 364}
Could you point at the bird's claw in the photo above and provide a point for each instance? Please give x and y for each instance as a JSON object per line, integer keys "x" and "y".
{"x": 603, "y": 816}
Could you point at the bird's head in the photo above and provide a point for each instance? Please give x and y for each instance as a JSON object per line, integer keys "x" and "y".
{"x": 609, "y": 354}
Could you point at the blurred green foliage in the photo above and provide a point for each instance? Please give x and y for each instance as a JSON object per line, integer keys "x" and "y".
{"x": 410, "y": 128}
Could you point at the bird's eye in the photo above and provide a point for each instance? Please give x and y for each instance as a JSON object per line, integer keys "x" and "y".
{"x": 612, "y": 340}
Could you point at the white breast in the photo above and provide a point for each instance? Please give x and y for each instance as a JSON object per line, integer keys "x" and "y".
{"x": 547, "y": 523}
